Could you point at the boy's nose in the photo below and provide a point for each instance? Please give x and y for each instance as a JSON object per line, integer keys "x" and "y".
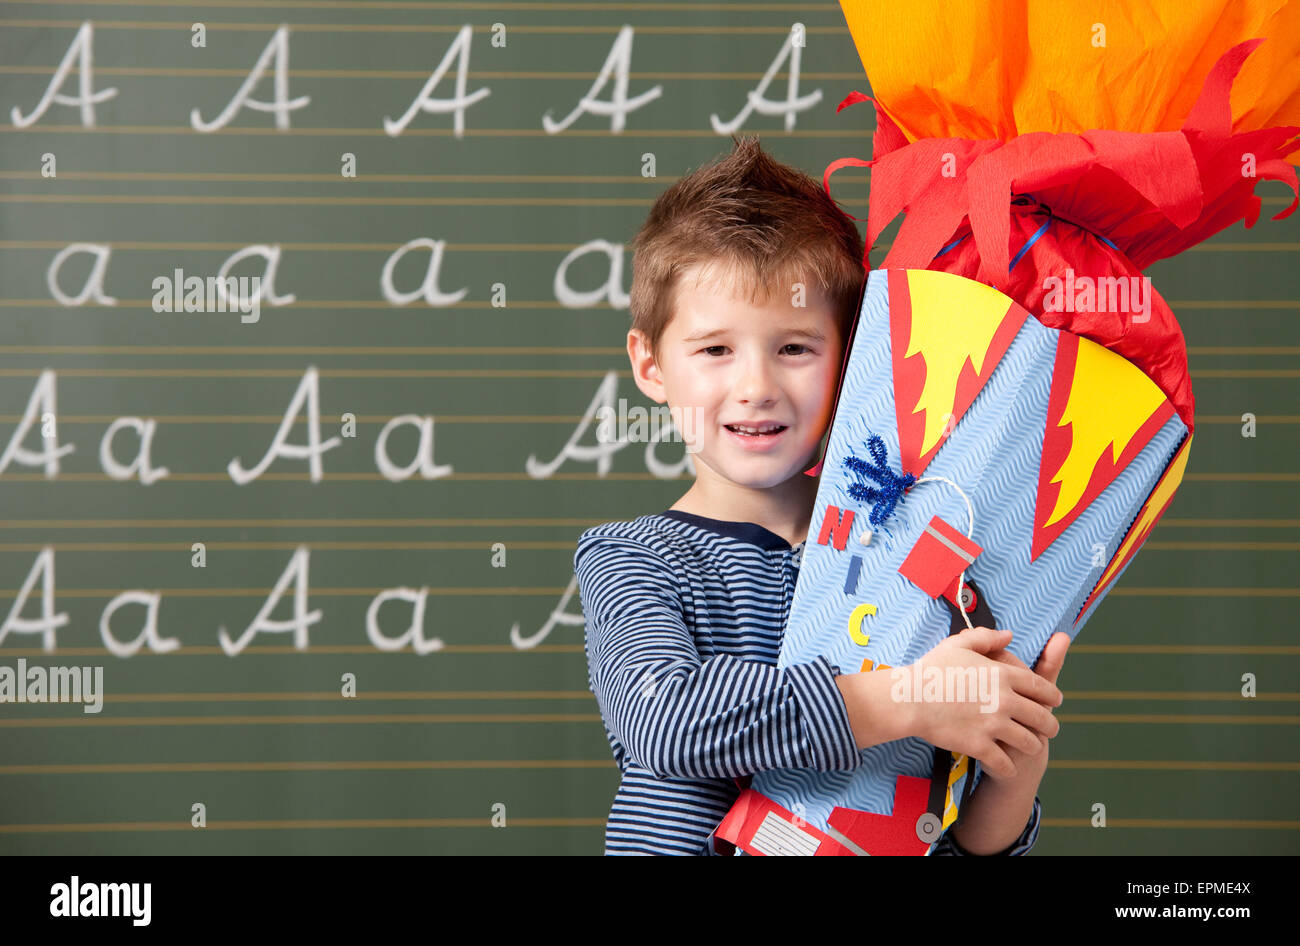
{"x": 756, "y": 386}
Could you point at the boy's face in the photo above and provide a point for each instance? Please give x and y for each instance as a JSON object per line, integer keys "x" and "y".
{"x": 725, "y": 361}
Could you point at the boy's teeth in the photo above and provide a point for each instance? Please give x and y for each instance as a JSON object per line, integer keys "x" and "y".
{"x": 753, "y": 431}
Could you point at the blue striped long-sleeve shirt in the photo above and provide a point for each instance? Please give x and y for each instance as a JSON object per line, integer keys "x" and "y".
{"x": 684, "y": 617}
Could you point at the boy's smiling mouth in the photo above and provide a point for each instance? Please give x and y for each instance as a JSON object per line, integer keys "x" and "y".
{"x": 760, "y": 434}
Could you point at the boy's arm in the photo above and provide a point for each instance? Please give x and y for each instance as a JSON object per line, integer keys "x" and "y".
{"x": 990, "y": 822}
{"x": 1001, "y": 817}
{"x": 682, "y": 717}
{"x": 998, "y": 807}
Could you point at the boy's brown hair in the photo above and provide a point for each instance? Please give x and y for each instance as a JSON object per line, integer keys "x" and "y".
{"x": 768, "y": 224}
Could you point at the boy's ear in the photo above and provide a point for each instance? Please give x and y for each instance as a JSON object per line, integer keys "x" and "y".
{"x": 644, "y": 370}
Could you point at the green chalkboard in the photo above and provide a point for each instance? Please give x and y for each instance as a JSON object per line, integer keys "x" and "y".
{"x": 458, "y": 312}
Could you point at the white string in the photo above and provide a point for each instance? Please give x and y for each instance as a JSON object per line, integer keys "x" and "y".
{"x": 970, "y": 529}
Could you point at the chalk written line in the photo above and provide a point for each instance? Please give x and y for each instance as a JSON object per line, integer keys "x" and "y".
{"x": 619, "y": 60}
{"x": 41, "y": 404}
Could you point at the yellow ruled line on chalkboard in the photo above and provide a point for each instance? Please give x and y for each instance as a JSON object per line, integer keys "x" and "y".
{"x": 461, "y": 350}
{"x": 1232, "y": 350}
{"x": 382, "y": 719}
{"x": 549, "y": 5}
{"x": 482, "y": 545}
{"x": 474, "y": 75}
{"x": 270, "y": 199}
{"x": 329, "y": 247}
{"x": 332, "y": 650}
{"x": 272, "y": 523}
{"x": 1208, "y": 247}
{"x": 442, "y": 419}
{"x": 1228, "y": 696}
{"x": 525, "y": 478}
{"x": 1173, "y": 766}
{"x": 306, "y": 824}
{"x": 1233, "y": 303}
{"x": 414, "y": 350}
{"x": 1216, "y": 523}
{"x": 1163, "y": 823}
{"x": 450, "y": 29}
{"x": 857, "y": 136}
{"x": 129, "y": 768}
{"x": 1189, "y": 718}
{"x": 159, "y": 768}
{"x": 452, "y": 477}
{"x": 1237, "y": 477}
{"x": 334, "y": 178}
{"x": 453, "y": 590}
{"x": 361, "y": 373}
{"x": 334, "y": 696}
{"x": 1198, "y": 546}
{"x": 385, "y": 719}
{"x": 376, "y": 477}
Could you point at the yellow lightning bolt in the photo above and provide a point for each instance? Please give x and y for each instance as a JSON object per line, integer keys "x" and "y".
{"x": 1109, "y": 400}
{"x": 952, "y": 320}
{"x": 1156, "y": 502}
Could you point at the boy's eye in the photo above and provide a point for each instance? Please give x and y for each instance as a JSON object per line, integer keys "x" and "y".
{"x": 797, "y": 345}
{"x": 713, "y": 348}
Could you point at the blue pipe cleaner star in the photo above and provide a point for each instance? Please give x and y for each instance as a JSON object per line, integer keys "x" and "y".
{"x": 885, "y": 497}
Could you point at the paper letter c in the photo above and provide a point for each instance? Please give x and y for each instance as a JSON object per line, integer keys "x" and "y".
{"x": 855, "y": 623}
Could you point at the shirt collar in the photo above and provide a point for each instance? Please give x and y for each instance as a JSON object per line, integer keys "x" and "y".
{"x": 748, "y": 532}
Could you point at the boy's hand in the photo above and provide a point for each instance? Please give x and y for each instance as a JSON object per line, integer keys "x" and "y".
{"x": 1022, "y": 716}
{"x": 1032, "y": 766}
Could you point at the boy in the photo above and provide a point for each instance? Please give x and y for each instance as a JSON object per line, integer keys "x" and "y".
{"x": 746, "y": 278}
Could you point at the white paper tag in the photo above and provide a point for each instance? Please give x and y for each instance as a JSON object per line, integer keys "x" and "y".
{"x": 777, "y": 837}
